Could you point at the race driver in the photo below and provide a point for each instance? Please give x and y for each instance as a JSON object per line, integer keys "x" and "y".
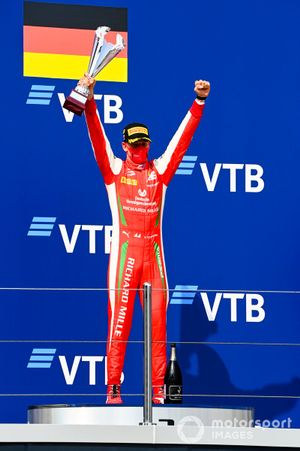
{"x": 136, "y": 190}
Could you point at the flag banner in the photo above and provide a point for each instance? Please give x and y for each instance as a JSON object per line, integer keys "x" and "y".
{"x": 58, "y": 40}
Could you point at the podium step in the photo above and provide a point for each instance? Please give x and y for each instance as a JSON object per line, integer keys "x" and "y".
{"x": 132, "y": 416}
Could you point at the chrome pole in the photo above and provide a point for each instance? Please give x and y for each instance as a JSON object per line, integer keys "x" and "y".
{"x": 147, "y": 411}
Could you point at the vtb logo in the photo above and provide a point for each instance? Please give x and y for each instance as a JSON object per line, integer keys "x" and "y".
{"x": 41, "y": 226}
{"x": 247, "y": 307}
{"x": 187, "y": 165}
{"x": 43, "y": 95}
{"x": 252, "y": 174}
{"x": 43, "y": 358}
{"x": 44, "y": 226}
{"x": 40, "y": 95}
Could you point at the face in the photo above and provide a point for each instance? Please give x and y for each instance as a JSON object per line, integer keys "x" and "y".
{"x": 138, "y": 151}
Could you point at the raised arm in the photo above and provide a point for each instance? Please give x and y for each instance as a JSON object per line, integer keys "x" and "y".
{"x": 108, "y": 164}
{"x": 168, "y": 163}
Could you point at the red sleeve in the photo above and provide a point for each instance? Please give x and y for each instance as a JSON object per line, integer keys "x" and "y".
{"x": 108, "y": 164}
{"x": 168, "y": 163}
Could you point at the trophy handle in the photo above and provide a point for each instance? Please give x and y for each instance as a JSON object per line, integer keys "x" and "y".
{"x": 105, "y": 52}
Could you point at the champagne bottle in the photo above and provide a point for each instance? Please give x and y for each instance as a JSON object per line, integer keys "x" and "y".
{"x": 173, "y": 380}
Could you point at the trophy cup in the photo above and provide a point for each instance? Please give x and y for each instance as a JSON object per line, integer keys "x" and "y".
{"x": 103, "y": 52}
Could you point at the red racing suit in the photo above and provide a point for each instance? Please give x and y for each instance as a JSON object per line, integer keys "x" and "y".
{"x": 136, "y": 195}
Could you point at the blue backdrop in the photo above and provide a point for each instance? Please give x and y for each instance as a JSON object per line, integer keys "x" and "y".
{"x": 231, "y": 222}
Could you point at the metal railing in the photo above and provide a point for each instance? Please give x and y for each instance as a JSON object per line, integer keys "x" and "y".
{"x": 146, "y": 293}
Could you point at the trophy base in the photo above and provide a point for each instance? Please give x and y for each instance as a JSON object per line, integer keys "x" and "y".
{"x": 75, "y": 102}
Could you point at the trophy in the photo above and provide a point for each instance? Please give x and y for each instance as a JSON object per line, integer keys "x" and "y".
{"x": 103, "y": 52}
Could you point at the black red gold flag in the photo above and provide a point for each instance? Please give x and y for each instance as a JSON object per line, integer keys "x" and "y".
{"x": 58, "y": 40}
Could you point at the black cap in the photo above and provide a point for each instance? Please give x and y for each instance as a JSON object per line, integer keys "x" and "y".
{"x": 135, "y": 132}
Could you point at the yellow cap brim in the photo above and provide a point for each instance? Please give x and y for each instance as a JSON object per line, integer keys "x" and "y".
{"x": 133, "y": 140}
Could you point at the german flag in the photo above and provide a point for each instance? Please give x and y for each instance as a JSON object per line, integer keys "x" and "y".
{"x": 58, "y": 40}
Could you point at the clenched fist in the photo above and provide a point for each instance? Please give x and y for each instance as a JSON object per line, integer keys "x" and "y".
{"x": 202, "y": 88}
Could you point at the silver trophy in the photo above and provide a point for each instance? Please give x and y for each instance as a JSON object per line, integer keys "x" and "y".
{"x": 103, "y": 52}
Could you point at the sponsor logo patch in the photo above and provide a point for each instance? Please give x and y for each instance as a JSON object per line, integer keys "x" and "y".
{"x": 142, "y": 193}
{"x": 151, "y": 176}
{"x": 129, "y": 181}
{"x": 134, "y": 130}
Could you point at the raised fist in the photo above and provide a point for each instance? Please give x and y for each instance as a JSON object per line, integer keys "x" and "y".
{"x": 202, "y": 88}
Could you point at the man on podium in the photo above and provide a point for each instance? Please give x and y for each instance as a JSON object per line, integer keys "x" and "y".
{"x": 136, "y": 190}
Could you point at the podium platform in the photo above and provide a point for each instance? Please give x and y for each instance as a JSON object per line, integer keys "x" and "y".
{"x": 169, "y": 415}
{"x": 73, "y": 437}
{"x": 102, "y": 428}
